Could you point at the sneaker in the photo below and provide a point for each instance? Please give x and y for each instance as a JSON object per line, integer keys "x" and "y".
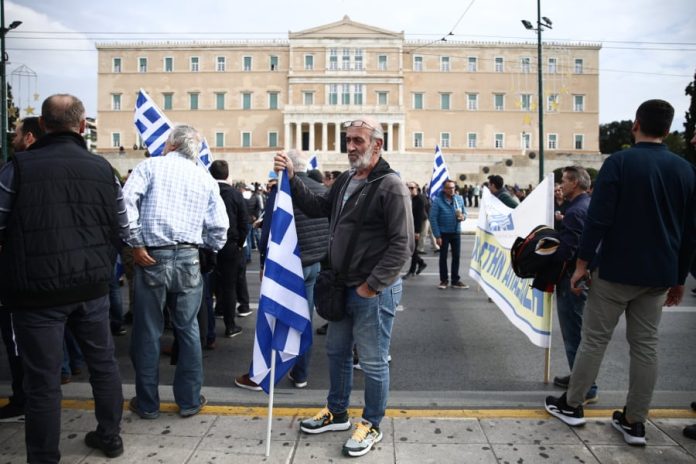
{"x": 325, "y": 421}
{"x": 244, "y": 381}
{"x": 690, "y": 431}
{"x": 233, "y": 332}
{"x": 422, "y": 265}
{"x": 443, "y": 285}
{"x": 11, "y": 412}
{"x": 357, "y": 366}
{"x": 323, "y": 329}
{"x": 460, "y": 284}
{"x": 133, "y": 406}
{"x": 118, "y": 333}
{"x": 634, "y": 434}
{"x": 592, "y": 396}
{"x": 297, "y": 384}
{"x": 211, "y": 345}
{"x": 558, "y": 407}
{"x": 365, "y": 436}
{"x": 111, "y": 447}
{"x": 243, "y": 312}
{"x": 194, "y": 411}
{"x": 562, "y": 382}
{"x": 407, "y": 276}
{"x": 65, "y": 378}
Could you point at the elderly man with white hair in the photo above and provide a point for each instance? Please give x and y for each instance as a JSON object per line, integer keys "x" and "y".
{"x": 383, "y": 244}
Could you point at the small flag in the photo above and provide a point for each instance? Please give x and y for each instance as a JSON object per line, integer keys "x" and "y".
{"x": 440, "y": 174}
{"x": 313, "y": 163}
{"x": 204, "y": 156}
{"x": 283, "y": 322}
{"x": 151, "y": 123}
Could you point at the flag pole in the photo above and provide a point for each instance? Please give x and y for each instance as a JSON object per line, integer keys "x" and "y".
{"x": 270, "y": 403}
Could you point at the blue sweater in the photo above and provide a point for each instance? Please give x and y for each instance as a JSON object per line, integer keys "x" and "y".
{"x": 442, "y": 218}
{"x": 643, "y": 213}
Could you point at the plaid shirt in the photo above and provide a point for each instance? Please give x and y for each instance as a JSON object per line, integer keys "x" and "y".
{"x": 171, "y": 200}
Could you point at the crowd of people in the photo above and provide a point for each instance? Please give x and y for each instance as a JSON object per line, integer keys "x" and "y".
{"x": 184, "y": 237}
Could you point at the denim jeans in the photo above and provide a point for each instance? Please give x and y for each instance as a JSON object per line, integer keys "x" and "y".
{"x": 115, "y": 301}
{"x": 367, "y": 324}
{"x": 300, "y": 370}
{"x": 455, "y": 240}
{"x": 570, "y": 308}
{"x": 208, "y": 307}
{"x": 175, "y": 277}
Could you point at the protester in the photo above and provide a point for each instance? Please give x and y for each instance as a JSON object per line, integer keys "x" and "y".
{"x": 418, "y": 211}
{"x": 496, "y": 185}
{"x": 174, "y": 208}
{"x": 690, "y": 430}
{"x": 447, "y": 212}
{"x": 374, "y": 288}
{"x": 63, "y": 278}
{"x": 647, "y": 230}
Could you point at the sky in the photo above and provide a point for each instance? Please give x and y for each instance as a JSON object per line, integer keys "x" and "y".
{"x": 648, "y": 47}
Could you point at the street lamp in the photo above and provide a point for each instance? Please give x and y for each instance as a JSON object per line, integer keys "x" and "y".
{"x": 3, "y": 75}
{"x": 542, "y": 23}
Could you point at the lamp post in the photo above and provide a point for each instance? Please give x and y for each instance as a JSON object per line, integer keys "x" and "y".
{"x": 542, "y": 22}
{"x": 3, "y": 78}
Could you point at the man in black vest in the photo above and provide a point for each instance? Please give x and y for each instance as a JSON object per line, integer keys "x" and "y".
{"x": 66, "y": 203}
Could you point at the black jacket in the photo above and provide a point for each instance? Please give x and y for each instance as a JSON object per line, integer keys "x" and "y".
{"x": 236, "y": 208}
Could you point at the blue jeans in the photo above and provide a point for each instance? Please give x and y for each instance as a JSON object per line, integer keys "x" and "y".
{"x": 72, "y": 354}
{"x": 454, "y": 239}
{"x": 115, "y": 301}
{"x": 367, "y": 324}
{"x": 209, "y": 309}
{"x": 176, "y": 276}
{"x": 299, "y": 371}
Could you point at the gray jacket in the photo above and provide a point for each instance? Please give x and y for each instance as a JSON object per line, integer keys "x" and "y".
{"x": 386, "y": 239}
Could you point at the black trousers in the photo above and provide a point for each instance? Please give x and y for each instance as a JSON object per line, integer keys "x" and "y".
{"x": 242, "y": 289}
{"x": 13, "y": 358}
{"x": 415, "y": 259}
{"x": 230, "y": 264}
{"x": 40, "y": 335}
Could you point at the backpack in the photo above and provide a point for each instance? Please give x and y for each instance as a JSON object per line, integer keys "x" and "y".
{"x": 532, "y": 257}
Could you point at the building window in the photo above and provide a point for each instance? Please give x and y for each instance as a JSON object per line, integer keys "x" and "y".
{"x": 444, "y": 63}
{"x": 579, "y": 103}
{"x": 333, "y": 94}
{"x": 220, "y": 100}
{"x": 115, "y": 139}
{"x": 333, "y": 59}
{"x": 246, "y": 100}
{"x": 272, "y": 139}
{"x": 142, "y": 65}
{"x": 345, "y": 94}
{"x": 578, "y": 66}
{"x": 472, "y": 101}
{"x": 272, "y": 100}
{"x": 579, "y": 141}
{"x": 472, "y": 64}
{"x": 418, "y": 63}
{"x": 220, "y": 63}
{"x": 526, "y": 140}
{"x": 382, "y": 62}
{"x": 345, "y": 60}
{"x": 445, "y": 101}
{"x": 383, "y": 98}
{"x": 194, "y": 64}
{"x": 274, "y": 63}
{"x": 499, "y": 101}
{"x": 471, "y": 139}
{"x": 418, "y": 140}
{"x": 309, "y": 62}
{"x": 552, "y": 102}
{"x": 247, "y": 63}
{"x": 525, "y": 64}
{"x": 193, "y": 100}
{"x": 552, "y": 141}
{"x": 116, "y": 101}
{"x": 358, "y": 59}
{"x": 358, "y": 94}
{"x": 168, "y": 64}
{"x": 553, "y": 65}
{"x": 308, "y": 98}
{"x": 444, "y": 139}
{"x": 168, "y": 100}
{"x": 417, "y": 101}
{"x": 116, "y": 65}
{"x": 499, "y": 64}
{"x": 526, "y": 102}
{"x": 246, "y": 139}
{"x": 219, "y": 139}
{"x": 499, "y": 140}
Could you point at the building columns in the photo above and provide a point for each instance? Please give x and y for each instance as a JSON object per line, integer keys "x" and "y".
{"x": 286, "y": 137}
{"x": 311, "y": 136}
{"x": 324, "y": 137}
{"x": 298, "y": 136}
{"x": 337, "y": 137}
{"x": 390, "y": 139}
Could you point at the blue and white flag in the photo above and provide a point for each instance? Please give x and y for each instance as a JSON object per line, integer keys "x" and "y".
{"x": 151, "y": 123}
{"x": 283, "y": 322}
{"x": 204, "y": 156}
{"x": 313, "y": 163}
{"x": 440, "y": 174}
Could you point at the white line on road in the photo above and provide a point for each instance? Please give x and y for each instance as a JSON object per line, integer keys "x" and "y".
{"x": 679, "y": 309}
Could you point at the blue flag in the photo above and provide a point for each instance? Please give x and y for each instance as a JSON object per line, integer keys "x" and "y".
{"x": 440, "y": 174}
{"x": 313, "y": 162}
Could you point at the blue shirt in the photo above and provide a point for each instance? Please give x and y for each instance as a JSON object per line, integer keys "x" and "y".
{"x": 171, "y": 200}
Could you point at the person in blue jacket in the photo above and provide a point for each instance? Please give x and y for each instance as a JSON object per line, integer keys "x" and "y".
{"x": 446, "y": 214}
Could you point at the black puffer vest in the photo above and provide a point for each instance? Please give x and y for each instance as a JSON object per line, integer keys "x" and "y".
{"x": 59, "y": 242}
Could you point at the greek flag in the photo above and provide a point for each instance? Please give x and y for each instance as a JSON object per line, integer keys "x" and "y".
{"x": 313, "y": 163}
{"x": 204, "y": 156}
{"x": 440, "y": 174}
{"x": 283, "y": 322}
{"x": 152, "y": 125}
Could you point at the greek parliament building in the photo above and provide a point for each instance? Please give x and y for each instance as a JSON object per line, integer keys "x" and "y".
{"x": 251, "y": 98}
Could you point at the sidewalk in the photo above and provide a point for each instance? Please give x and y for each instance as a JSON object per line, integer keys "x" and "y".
{"x": 223, "y": 434}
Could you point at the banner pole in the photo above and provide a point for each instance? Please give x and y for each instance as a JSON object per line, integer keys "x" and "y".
{"x": 549, "y": 222}
{"x": 547, "y": 355}
{"x": 270, "y": 403}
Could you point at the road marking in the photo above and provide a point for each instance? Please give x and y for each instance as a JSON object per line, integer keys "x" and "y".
{"x": 679, "y": 309}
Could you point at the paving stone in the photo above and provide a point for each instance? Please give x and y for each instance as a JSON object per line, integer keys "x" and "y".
{"x": 279, "y": 454}
{"x": 642, "y": 455}
{"x": 543, "y": 453}
{"x": 11, "y": 431}
{"x": 602, "y": 432}
{"x": 424, "y": 430}
{"x": 523, "y": 431}
{"x": 674, "y": 428}
{"x": 253, "y": 428}
{"x": 314, "y": 451}
{"x": 166, "y": 424}
{"x": 144, "y": 448}
{"x": 437, "y": 453}
{"x": 72, "y": 449}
